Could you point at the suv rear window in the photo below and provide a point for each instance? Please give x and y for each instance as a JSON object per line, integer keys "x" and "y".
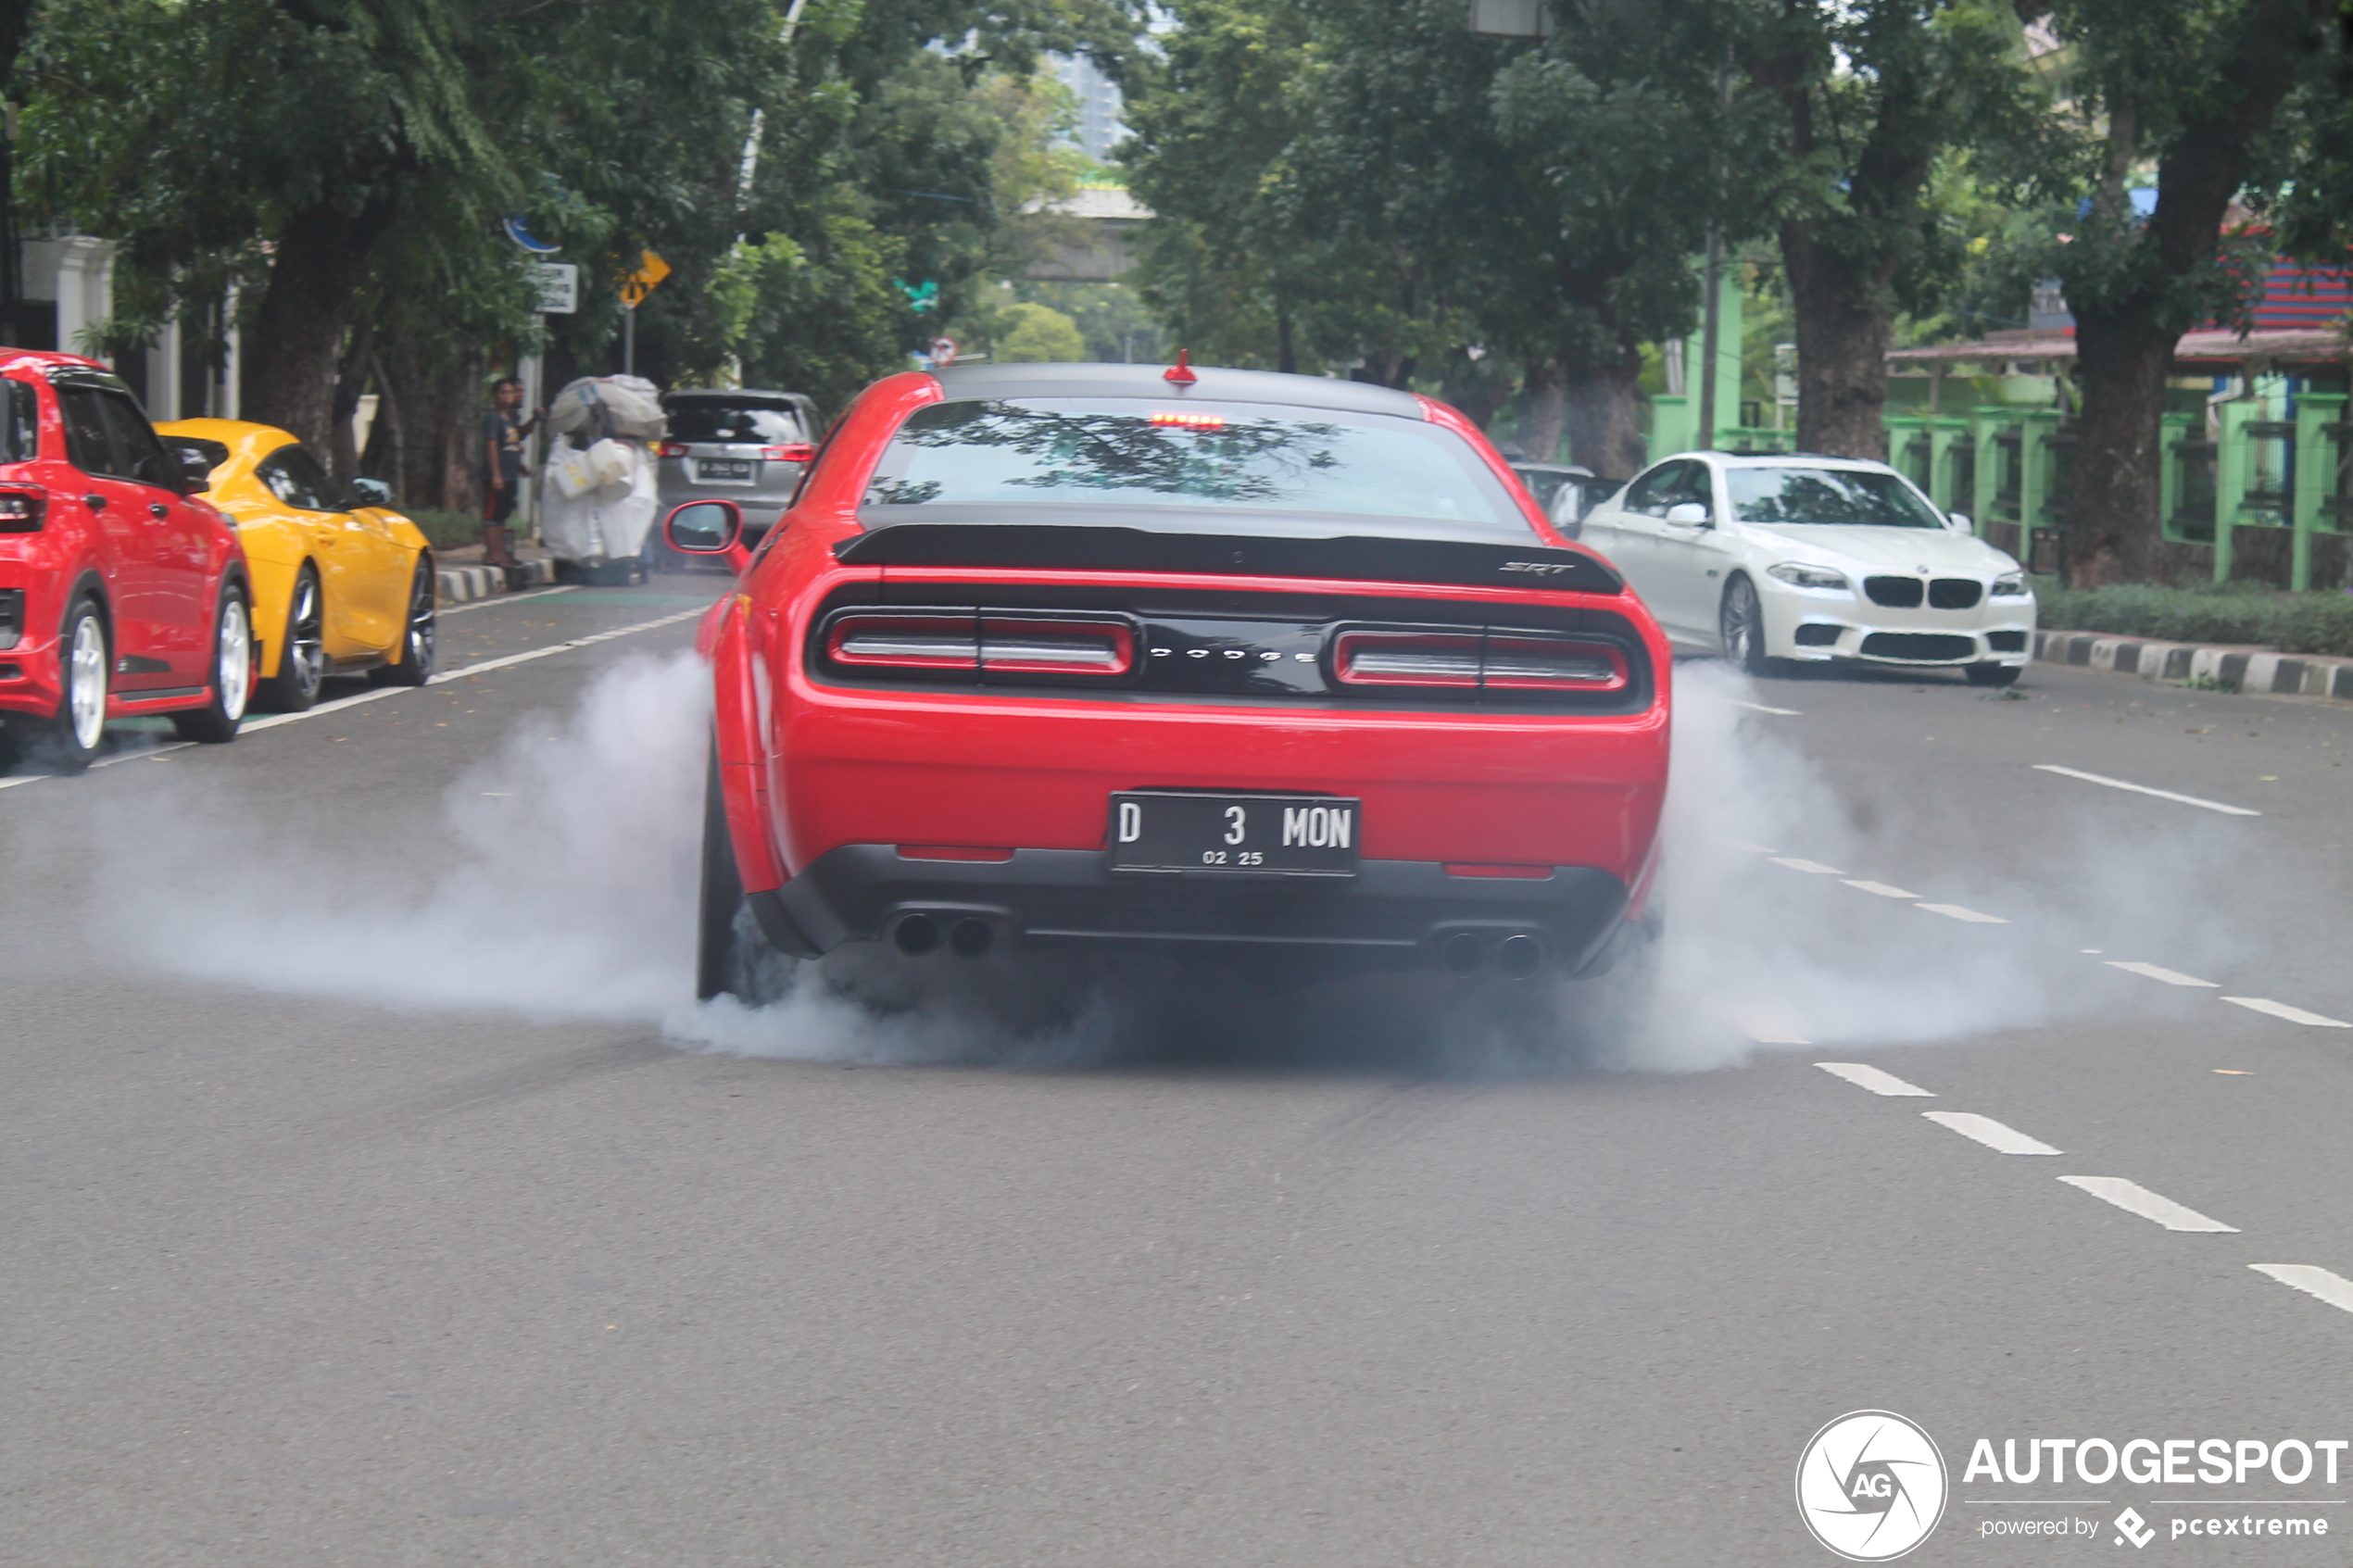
{"x": 1036, "y": 455}
{"x": 700, "y": 420}
{"x": 21, "y": 424}
{"x": 1829, "y": 495}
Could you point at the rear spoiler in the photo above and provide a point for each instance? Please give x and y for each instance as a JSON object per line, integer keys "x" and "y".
{"x": 1354, "y": 558}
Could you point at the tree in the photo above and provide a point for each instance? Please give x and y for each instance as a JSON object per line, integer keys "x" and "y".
{"x": 2185, "y": 94}
{"x": 1868, "y": 97}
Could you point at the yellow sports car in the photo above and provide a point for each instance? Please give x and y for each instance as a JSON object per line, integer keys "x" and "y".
{"x": 341, "y": 584}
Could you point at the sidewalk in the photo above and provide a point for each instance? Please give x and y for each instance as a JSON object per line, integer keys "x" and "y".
{"x": 461, "y": 576}
{"x": 2235, "y": 667}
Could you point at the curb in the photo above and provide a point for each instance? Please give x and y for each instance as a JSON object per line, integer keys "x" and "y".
{"x": 455, "y": 584}
{"x": 2247, "y": 670}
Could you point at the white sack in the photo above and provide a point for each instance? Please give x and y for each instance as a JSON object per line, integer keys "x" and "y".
{"x": 608, "y": 521}
{"x": 597, "y": 407}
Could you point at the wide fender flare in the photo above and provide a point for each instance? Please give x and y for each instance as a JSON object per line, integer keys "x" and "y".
{"x": 739, "y": 738}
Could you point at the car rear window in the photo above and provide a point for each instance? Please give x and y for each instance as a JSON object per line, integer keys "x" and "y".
{"x": 1044, "y": 453}
{"x": 701, "y": 420}
{"x": 21, "y": 424}
{"x": 1828, "y": 495}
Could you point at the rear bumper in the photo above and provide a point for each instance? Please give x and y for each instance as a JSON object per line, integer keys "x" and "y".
{"x": 1391, "y": 911}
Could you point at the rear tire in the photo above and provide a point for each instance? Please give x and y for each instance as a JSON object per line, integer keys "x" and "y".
{"x": 733, "y": 957}
{"x": 70, "y": 742}
{"x": 302, "y": 657}
{"x": 1993, "y": 674}
{"x": 216, "y": 722}
{"x": 418, "y": 634}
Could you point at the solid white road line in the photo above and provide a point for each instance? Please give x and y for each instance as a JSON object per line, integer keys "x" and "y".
{"x": 1760, "y": 708}
{"x": 380, "y": 693}
{"x": 497, "y": 599}
{"x": 1882, "y": 889}
{"x": 2156, "y": 972}
{"x": 2144, "y": 789}
{"x": 2294, "y": 1015}
{"x": 1954, "y": 912}
{"x": 1994, "y": 1134}
{"x": 1863, "y": 1075}
{"x": 1813, "y": 867}
{"x": 2335, "y": 1289}
{"x": 2134, "y": 1198}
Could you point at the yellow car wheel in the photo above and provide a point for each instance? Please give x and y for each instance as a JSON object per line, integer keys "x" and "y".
{"x": 302, "y": 661}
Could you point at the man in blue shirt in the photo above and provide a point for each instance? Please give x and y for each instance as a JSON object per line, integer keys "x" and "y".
{"x": 503, "y": 429}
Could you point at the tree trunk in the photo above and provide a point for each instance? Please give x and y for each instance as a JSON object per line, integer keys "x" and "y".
{"x": 1544, "y": 410}
{"x": 2108, "y": 535}
{"x": 1843, "y": 332}
{"x": 1605, "y": 427}
{"x": 297, "y": 340}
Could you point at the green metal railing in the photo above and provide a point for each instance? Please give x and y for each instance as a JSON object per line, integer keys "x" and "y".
{"x": 2011, "y": 469}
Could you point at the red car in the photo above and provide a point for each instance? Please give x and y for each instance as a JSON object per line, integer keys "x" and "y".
{"x": 1212, "y": 661}
{"x": 122, "y": 594}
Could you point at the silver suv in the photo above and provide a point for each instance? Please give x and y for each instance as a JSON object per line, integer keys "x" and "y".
{"x": 731, "y": 444}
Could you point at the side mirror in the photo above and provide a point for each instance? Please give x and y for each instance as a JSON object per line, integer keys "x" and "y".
{"x": 1692, "y": 514}
{"x": 1959, "y": 523}
{"x": 371, "y": 493}
{"x": 708, "y": 528}
{"x": 197, "y": 459}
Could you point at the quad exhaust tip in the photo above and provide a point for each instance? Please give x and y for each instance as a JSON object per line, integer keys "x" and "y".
{"x": 1516, "y": 957}
{"x": 967, "y": 937}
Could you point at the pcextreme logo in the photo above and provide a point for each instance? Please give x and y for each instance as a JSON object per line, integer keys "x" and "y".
{"x": 1871, "y": 1486}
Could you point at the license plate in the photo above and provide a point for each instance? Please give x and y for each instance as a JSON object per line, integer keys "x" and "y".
{"x": 1235, "y": 834}
{"x": 723, "y": 467}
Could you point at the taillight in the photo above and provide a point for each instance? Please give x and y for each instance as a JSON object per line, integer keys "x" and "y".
{"x": 671, "y": 450}
{"x": 1493, "y": 661}
{"x": 20, "y": 510}
{"x": 1057, "y": 647}
{"x": 1522, "y": 663}
{"x": 905, "y": 642}
{"x": 1005, "y": 644}
{"x": 1407, "y": 658}
{"x": 798, "y": 452}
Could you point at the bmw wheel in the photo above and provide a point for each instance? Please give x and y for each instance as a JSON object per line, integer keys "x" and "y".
{"x": 1991, "y": 675}
{"x": 1742, "y": 625}
{"x": 302, "y": 657}
{"x": 216, "y": 722}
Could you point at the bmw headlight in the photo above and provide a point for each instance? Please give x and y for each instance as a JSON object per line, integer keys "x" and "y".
{"x": 1798, "y": 576}
{"x": 2009, "y": 586}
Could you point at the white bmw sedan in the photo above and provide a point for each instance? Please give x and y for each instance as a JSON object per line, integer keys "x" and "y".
{"x": 1771, "y": 556}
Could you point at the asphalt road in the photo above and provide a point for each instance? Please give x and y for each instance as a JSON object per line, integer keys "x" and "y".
{"x": 365, "y": 1204}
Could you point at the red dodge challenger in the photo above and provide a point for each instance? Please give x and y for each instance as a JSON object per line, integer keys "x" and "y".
{"x": 1207, "y": 661}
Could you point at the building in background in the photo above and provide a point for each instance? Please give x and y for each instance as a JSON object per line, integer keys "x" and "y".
{"x": 1099, "y": 131}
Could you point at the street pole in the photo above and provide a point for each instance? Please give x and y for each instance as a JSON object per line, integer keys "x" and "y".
{"x": 1709, "y": 323}
{"x": 628, "y": 340}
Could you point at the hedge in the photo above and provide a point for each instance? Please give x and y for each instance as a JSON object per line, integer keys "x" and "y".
{"x": 2229, "y": 612}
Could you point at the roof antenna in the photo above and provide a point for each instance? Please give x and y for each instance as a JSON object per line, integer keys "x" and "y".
{"x": 1181, "y": 372}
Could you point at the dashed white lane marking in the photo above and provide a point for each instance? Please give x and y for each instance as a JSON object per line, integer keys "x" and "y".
{"x": 2144, "y": 789}
{"x": 1955, "y": 912}
{"x": 1815, "y": 868}
{"x": 2335, "y": 1289}
{"x": 380, "y": 693}
{"x": 1996, "y": 1135}
{"x": 1744, "y": 845}
{"x": 2158, "y": 971}
{"x": 1760, "y": 708}
{"x": 2134, "y": 1198}
{"x": 1882, "y": 889}
{"x": 1863, "y": 1075}
{"x": 2294, "y": 1015}
{"x": 1766, "y": 1033}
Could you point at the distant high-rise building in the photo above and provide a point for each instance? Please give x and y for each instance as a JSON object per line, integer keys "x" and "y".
{"x": 1099, "y": 130}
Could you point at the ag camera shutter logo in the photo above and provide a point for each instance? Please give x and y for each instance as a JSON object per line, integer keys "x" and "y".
{"x": 1871, "y": 1486}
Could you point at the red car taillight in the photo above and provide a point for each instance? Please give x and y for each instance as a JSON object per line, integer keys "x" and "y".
{"x": 798, "y": 452}
{"x": 20, "y": 510}
{"x": 1521, "y": 661}
{"x": 671, "y": 450}
{"x": 905, "y": 642}
{"x": 1007, "y": 644}
{"x": 1407, "y": 658}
